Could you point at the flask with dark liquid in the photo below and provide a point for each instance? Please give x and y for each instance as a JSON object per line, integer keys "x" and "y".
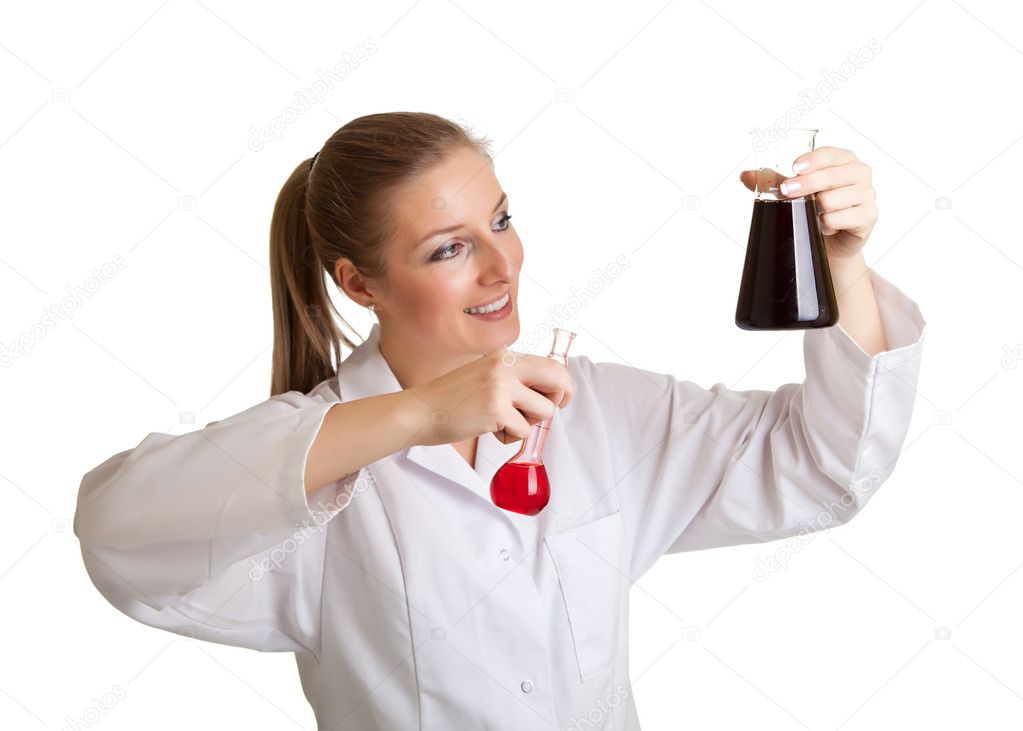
{"x": 786, "y": 282}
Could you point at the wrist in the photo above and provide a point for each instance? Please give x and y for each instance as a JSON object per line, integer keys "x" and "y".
{"x": 412, "y": 416}
{"x": 848, "y": 273}
{"x": 855, "y": 263}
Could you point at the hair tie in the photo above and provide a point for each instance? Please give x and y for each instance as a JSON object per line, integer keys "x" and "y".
{"x": 312, "y": 161}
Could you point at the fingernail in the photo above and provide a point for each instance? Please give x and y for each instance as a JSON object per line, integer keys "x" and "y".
{"x": 800, "y": 166}
{"x": 791, "y": 186}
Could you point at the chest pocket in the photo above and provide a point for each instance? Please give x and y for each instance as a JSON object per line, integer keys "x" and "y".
{"x": 590, "y": 563}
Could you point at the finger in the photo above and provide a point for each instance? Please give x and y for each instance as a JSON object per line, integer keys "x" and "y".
{"x": 762, "y": 180}
{"x": 506, "y": 435}
{"x": 545, "y": 375}
{"x": 568, "y": 397}
{"x": 827, "y": 178}
{"x": 824, "y": 157}
{"x": 847, "y": 219}
{"x": 515, "y": 429}
{"x": 532, "y": 405}
{"x": 567, "y": 394}
{"x": 845, "y": 197}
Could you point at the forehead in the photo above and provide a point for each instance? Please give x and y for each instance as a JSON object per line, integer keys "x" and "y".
{"x": 457, "y": 190}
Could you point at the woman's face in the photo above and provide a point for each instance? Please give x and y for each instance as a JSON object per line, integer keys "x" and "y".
{"x": 454, "y": 248}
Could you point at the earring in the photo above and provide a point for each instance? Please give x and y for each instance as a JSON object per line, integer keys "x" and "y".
{"x": 372, "y": 307}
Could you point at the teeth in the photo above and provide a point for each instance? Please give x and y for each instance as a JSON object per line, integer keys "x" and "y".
{"x": 489, "y": 308}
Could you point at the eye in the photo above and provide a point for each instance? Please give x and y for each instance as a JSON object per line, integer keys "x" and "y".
{"x": 440, "y": 254}
{"x": 447, "y": 247}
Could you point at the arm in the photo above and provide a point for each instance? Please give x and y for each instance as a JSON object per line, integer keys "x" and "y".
{"x": 698, "y": 468}
{"x": 857, "y": 306}
{"x": 357, "y": 433}
{"x": 185, "y": 533}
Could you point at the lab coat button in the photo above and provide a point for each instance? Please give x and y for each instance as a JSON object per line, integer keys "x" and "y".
{"x": 504, "y": 554}
{"x": 526, "y": 686}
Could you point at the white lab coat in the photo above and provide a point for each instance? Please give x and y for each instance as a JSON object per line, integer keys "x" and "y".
{"x": 411, "y": 601}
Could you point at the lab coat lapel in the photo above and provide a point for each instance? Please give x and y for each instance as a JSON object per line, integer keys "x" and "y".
{"x": 444, "y": 460}
{"x": 491, "y": 453}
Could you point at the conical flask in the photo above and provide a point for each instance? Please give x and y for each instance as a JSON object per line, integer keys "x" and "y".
{"x": 521, "y": 484}
{"x": 786, "y": 282}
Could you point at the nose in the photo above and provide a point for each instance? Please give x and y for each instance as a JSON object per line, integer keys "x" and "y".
{"x": 497, "y": 262}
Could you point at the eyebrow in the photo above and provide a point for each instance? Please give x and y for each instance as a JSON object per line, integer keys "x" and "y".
{"x": 449, "y": 229}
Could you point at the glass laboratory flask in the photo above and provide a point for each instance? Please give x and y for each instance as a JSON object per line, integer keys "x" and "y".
{"x": 520, "y": 484}
{"x": 786, "y": 282}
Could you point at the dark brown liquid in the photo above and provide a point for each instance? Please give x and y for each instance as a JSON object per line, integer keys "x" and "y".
{"x": 786, "y": 283}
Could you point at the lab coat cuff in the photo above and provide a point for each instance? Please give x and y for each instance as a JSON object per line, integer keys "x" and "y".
{"x": 322, "y": 501}
{"x": 903, "y": 324}
{"x": 857, "y": 406}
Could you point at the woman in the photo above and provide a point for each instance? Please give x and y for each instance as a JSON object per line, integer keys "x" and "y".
{"x": 347, "y": 519}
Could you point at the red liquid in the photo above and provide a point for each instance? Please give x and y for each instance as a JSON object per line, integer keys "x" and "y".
{"x": 521, "y": 487}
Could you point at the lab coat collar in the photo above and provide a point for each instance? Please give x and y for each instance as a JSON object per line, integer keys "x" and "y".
{"x": 366, "y": 373}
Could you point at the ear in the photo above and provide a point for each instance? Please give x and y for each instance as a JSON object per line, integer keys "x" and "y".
{"x": 351, "y": 282}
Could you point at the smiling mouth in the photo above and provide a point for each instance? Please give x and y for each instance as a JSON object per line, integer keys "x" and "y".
{"x": 493, "y": 306}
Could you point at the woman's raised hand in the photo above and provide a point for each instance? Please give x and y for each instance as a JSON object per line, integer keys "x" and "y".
{"x": 503, "y": 392}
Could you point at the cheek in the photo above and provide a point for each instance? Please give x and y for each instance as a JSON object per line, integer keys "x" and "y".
{"x": 426, "y": 299}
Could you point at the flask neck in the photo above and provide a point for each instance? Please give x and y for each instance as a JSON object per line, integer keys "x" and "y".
{"x": 532, "y": 446}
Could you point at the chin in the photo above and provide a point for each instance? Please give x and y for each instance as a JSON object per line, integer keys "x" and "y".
{"x": 503, "y": 335}
{"x": 508, "y": 336}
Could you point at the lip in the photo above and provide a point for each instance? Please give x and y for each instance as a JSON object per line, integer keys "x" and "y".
{"x": 497, "y": 315}
{"x": 490, "y": 302}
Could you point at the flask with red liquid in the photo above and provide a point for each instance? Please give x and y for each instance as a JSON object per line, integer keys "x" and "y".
{"x": 786, "y": 282}
{"x": 521, "y": 484}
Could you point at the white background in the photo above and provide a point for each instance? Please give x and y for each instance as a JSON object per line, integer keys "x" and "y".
{"x": 126, "y": 131}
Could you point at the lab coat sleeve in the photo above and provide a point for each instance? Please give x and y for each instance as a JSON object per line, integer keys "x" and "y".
{"x": 210, "y": 534}
{"x": 698, "y": 468}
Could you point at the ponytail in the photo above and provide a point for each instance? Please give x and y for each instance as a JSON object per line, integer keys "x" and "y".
{"x": 305, "y": 334}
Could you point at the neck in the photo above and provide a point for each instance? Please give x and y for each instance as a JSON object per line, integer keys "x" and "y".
{"x": 413, "y": 367}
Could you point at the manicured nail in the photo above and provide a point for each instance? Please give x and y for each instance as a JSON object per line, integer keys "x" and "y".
{"x": 800, "y": 167}
{"x": 790, "y": 186}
